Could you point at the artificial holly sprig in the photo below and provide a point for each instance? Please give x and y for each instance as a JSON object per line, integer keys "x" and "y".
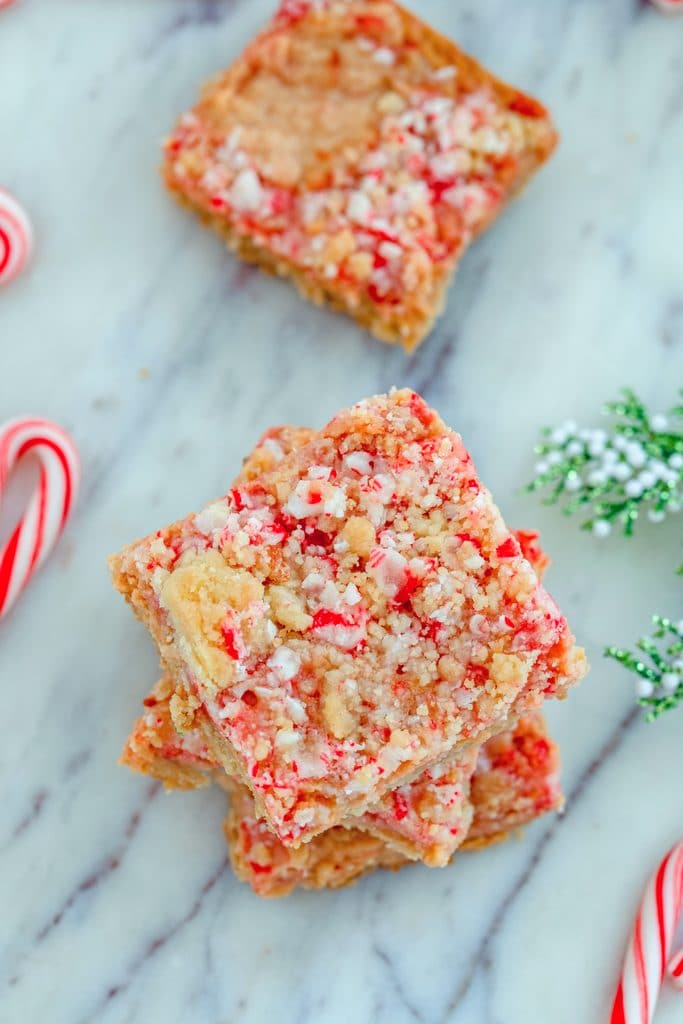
{"x": 659, "y": 686}
{"x": 615, "y": 475}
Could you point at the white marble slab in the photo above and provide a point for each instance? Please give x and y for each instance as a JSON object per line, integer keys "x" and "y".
{"x": 117, "y": 905}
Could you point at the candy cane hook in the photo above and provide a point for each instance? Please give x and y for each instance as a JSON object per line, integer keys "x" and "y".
{"x": 49, "y": 506}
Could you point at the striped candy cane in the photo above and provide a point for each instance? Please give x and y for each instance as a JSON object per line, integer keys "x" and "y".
{"x": 48, "y": 509}
{"x": 669, "y": 5}
{"x": 16, "y": 237}
{"x": 675, "y": 969}
{"x": 650, "y": 946}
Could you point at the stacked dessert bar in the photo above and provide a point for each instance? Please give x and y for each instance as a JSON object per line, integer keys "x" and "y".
{"x": 356, "y": 647}
{"x": 357, "y": 152}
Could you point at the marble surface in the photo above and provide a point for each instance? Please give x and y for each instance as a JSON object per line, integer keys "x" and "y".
{"x": 166, "y": 359}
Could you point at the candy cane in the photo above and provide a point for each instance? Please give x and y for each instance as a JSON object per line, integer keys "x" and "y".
{"x": 49, "y": 506}
{"x": 669, "y": 5}
{"x": 650, "y": 944}
{"x": 675, "y": 969}
{"x": 16, "y": 236}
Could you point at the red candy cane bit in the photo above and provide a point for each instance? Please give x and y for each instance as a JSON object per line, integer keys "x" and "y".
{"x": 649, "y": 948}
{"x": 370, "y": 23}
{"x": 508, "y": 549}
{"x": 16, "y": 236}
{"x": 260, "y": 869}
{"x": 230, "y": 640}
{"x": 49, "y": 507}
{"x": 400, "y": 805}
{"x": 527, "y": 106}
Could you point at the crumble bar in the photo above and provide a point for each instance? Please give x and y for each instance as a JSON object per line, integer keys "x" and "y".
{"x": 353, "y": 616}
{"x": 426, "y": 820}
{"x": 515, "y": 781}
{"x": 354, "y": 150}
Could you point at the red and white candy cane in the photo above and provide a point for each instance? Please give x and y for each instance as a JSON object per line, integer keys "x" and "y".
{"x": 649, "y": 949}
{"x": 16, "y": 236}
{"x": 49, "y": 506}
{"x": 675, "y": 969}
{"x": 670, "y": 6}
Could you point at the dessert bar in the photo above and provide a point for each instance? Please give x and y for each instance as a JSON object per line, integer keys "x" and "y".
{"x": 354, "y": 615}
{"x": 354, "y": 150}
{"x": 515, "y": 781}
{"x": 426, "y": 820}
{"x": 510, "y": 788}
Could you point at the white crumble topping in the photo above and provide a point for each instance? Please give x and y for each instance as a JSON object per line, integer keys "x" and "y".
{"x": 359, "y": 207}
{"x": 213, "y": 179}
{"x": 285, "y": 663}
{"x": 346, "y": 636}
{"x": 246, "y": 194}
{"x": 159, "y": 576}
{"x": 335, "y": 502}
{"x": 212, "y": 517}
{"x": 359, "y": 462}
{"x": 305, "y": 499}
{"x": 296, "y": 710}
{"x": 329, "y": 596}
{"x": 479, "y": 626}
{"x": 314, "y": 582}
{"x": 388, "y": 568}
{"x": 229, "y": 710}
{"x": 286, "y": 738}
{"x": 274, "y": 449}
{"x": 383, "y": 55}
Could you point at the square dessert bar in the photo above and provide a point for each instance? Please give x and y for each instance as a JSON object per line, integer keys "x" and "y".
{"x": 358, "y": 152}
{"x": 510, "y": 788}
{"x": 424, "y": 820}
{"x": 354, "y": 615}
{"x": 427, "y": 819}
{"x": 515, "y": 781}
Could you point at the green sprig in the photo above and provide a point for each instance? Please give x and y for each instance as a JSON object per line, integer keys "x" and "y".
{"x": 658, "y": 666}
{"x": 614, "y": 475}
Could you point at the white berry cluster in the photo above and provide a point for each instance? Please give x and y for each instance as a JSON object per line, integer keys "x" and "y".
{"x": 617, "y": 475}
{"x": 658, "y": 666}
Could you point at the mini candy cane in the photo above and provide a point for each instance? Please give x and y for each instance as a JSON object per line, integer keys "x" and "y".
{"x": 669, "y": 5}
{"x": 675, "y": 969}
{"x": 49, "y": 506}
{"x": 16, "y": 236}
{"x": 650, "y": 944}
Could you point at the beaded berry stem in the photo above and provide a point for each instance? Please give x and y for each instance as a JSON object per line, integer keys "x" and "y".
{"x": 658, "y": 666}
{"x": 615, "y": 475}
